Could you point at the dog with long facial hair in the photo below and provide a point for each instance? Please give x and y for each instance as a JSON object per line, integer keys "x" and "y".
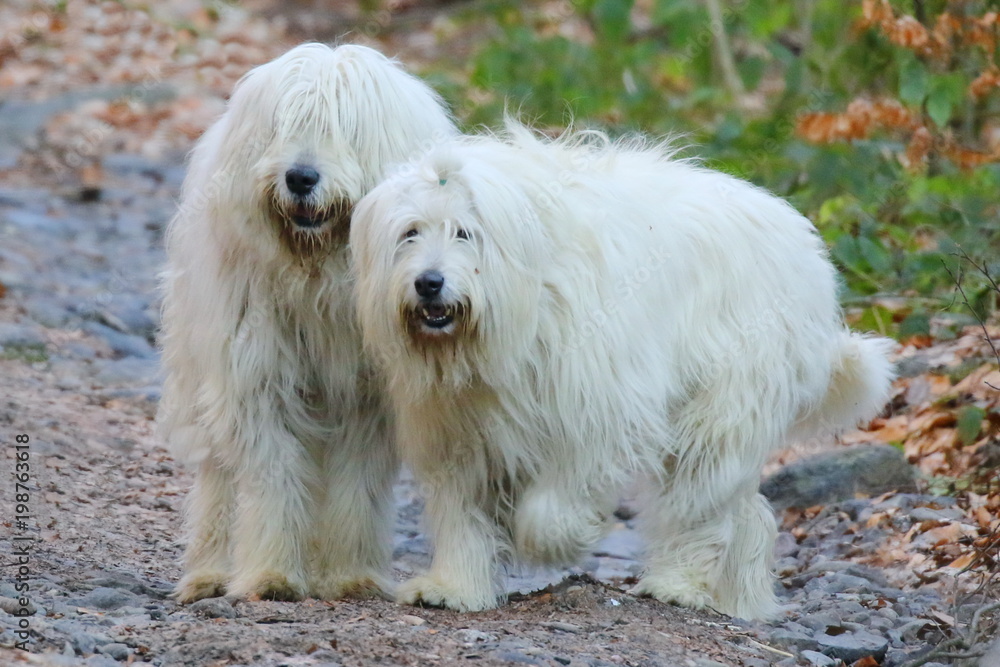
{"x": 266, "y": 391}
{"x": 556, "y": 318}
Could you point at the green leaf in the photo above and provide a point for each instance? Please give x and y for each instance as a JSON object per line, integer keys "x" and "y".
{"x": 613, "y": 18}
{"x": 939, "y": 107}
{"x": 970, "y": 423}
{"x": 915, "y": 324}
{"x": 875, "y": 254}
{"x": 913, "y": 82}
{"x": 947, "y": 91}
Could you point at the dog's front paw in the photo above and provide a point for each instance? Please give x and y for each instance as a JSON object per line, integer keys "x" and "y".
{"x": 431, "y": 592}
{"x": 269, "y": 585}
{"x": 363, "y": 587}
{"x": 674, "y": 589}
{"x": 196, "y": 586}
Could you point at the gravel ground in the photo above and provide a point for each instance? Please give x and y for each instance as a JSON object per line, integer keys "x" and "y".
{"x": 79, "y": 375}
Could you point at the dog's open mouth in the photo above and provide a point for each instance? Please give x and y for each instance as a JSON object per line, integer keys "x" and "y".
{"x": 437, "y": 315}
{"x": 308, "y": 217}
{"x": 435, "y": 319}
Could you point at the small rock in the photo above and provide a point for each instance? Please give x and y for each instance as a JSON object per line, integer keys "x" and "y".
{"x": 127, "y": 345}
{"x": 828, "y": 478}
{"x": 852, "y": 646}
{"x": 516, "y": 657}
{"x": 19, "y": 335}
{"x": 13, "y": 606}
{"x": 116, "y": 651}
{"x": 470, "y": 636}
{"x": 412, "y": 620}
{"x": 819, "y": 659}
{"x": 929, "y": 514}
{"x": 213, "y": 608}
{"x": 839, "y": 582}
{"x": 785, "y": 545}
{"x": 130, "y": 370}
{"x": 786, "y": 638}
{"x": 820, "y": 621}
{"x": 106, "y": 598}
{"x": 47, "y": 313}
{"x": 84, "y": 643}
{"x": 564, "y": 627}
{"x": 786, "y": 567}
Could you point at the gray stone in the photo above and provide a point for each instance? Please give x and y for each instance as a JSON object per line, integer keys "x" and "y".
{"x": 106, "y": 598}
{"x": 213, "y": 608}
{"x": 786, "y": 638}
{"x": 839, "y": 475}
{"x": 852, "y": 646}
{"x": 42, "y": 224}
{"x": 819, "y": 659}
{"x": 820, "y": 621}
{"x": 100, "y": 661}
{"x": 785, "y": 545}
{"x": 83, "y": 642}
{"x": 128, "y": 371}
{"x": 516, "y": 657}
{"x": 992, "y": 656}
{"x": 20, "y": 335}
{"x": 128, "y": 314}
{"x": 127, "y": 345}
{"x": 839, "y": 582}
{"x": 116, "y": 651}
{"x": 127, "y": 582}
{"x": 13, "y": 606}
{"x": 929, "y": 514}
{"x": 46, "y": 312}
{"x": 470, "y": 636}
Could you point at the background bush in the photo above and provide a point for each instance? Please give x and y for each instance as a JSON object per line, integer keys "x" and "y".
{"x": 878, "y": 120}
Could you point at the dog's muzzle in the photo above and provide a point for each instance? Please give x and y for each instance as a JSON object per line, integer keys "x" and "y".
{"x": 301, "y": 181}
{"x": 433, "y": 312}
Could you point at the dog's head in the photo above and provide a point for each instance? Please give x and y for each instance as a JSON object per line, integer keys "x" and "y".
{"x": 313, "y": 131}
{"x": 448, "y": 257}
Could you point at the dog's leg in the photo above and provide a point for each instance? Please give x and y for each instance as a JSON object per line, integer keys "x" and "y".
{"x": 209, "y": 518}
{"x": 353, "y": 528}
{"x": 710, "y": 554}
{"x": 746, "y": 586}
{"x": 274, "y": 515}
{"x": 466, "y": 543}
{"x": 556, "y": 522}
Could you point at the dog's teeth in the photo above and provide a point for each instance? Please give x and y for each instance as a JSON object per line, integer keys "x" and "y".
{"x": 425, "y": 312}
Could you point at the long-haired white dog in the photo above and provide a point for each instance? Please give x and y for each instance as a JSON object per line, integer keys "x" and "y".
{"x": 267, "y": 390}
{"x": 555, "y": 317}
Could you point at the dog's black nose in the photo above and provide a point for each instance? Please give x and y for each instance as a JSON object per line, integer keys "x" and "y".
{"x": 301, "y": 180}
{"x": 428, "y": 284}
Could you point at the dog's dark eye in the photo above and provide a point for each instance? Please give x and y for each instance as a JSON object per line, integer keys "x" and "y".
{"x": 410, "y": 233}
{"x": 462, "y": 234}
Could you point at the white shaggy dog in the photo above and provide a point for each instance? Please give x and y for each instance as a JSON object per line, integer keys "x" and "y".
{"x": 554, "y": 317}
{"x": 266, "y": 390}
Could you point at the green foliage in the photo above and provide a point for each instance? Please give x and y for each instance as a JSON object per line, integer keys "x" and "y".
{"x": 893, "y": 232}
{"x": 30, "y": 353}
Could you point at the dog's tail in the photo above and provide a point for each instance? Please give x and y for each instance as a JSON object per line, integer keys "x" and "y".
{"x": 860, "y": 384}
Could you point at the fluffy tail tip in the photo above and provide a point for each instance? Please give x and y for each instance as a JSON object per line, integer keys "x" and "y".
{"x": 860, "y": 384}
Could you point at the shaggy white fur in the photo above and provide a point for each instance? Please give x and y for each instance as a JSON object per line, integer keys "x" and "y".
{"x": 266, "y": 390}
{"x": 557, "y": 317}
